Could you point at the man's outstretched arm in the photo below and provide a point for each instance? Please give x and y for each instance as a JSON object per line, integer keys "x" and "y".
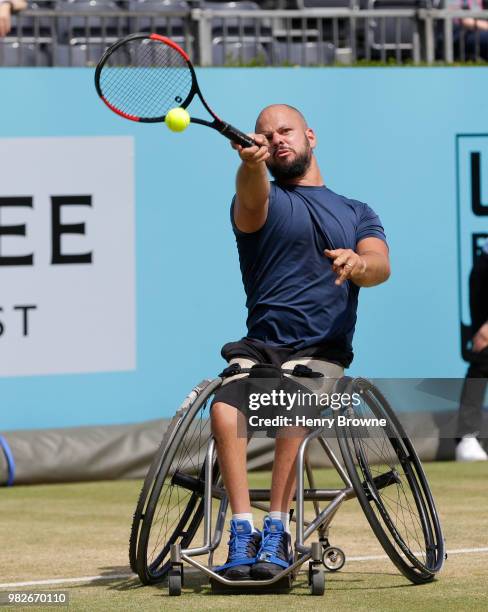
{"x": 252, "y": 186}
{"x": 368, "y": 266}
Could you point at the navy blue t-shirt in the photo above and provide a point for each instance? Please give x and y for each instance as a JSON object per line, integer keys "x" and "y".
{"x": 292, "y": 300}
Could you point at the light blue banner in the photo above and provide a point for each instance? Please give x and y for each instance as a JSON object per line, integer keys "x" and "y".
{"x": 386, "y": 137}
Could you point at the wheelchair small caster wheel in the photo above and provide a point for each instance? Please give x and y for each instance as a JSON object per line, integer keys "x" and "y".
{"x": 333, "y": 559}
{"x": 316, "y": 580}
{"x": 174, "y": 582}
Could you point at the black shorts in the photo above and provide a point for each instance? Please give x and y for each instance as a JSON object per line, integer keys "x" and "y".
{"x": 243, "y": 390}
{"x": 334, "y": 351}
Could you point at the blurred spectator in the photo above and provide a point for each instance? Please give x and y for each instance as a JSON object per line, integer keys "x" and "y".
{"x": 7, "y": 9}
{"x": 475, "y": 383}
{"x": 472, "y": 34}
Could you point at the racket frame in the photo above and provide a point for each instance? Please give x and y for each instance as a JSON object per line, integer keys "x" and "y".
{"x": 217, "y": 124}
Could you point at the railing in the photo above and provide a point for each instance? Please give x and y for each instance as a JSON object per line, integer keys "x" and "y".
{"x": 309, "y": 37}
{"x": 447, "y": 41}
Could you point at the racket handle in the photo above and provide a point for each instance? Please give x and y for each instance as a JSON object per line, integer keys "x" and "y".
{"x": 232, "y": 133}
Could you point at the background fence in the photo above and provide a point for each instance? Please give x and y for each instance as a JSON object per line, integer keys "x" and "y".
{"x": 320, "y": 32}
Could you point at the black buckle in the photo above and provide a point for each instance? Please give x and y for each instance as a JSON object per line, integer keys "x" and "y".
{"x": 305, "y": 372}
{"x": 231, "y": 370}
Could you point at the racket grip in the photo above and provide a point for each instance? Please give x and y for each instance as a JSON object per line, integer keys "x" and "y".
{"x": 232, "y": 133}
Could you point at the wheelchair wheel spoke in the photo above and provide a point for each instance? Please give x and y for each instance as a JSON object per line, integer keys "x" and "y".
{"x": 174, "y": 511}
{"x": 392, "y": 487}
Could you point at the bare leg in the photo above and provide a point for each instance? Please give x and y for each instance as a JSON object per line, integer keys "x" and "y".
{"x": 283, "y": 480}
{"x": 232, "y": 454}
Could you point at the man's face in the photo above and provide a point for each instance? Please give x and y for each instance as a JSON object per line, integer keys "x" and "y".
{"x": 290, "y": 142}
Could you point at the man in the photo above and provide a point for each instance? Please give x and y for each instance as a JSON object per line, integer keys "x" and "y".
{"x": 304, "y": 252}
{"x": 470, "y": 36}
{"x": 474, "y": 388}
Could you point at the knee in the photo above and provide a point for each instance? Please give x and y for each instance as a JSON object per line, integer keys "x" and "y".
{"x": 224, "y": 419}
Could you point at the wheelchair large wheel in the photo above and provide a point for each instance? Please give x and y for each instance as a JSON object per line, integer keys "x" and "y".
{"x": 391, "y": 485}
{"x": 170, "y": 510}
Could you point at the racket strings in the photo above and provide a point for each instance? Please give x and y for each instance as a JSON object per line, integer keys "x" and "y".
{"x": 145, "y": 78}
{"x": 129, "y": 95}
{"x": 130, "y": 82}
{"x": 147, "y": 93}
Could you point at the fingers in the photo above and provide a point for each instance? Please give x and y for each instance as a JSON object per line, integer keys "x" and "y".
{"x": 340, "y": 256}
{"x": 253, "y": 155}
{"x": 345, "y": 263}
{"x": 344, "y": 273}
{"x": 258, "y": 138}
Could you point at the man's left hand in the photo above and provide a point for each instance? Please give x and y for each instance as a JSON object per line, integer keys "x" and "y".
{"x": 346, "y": 263}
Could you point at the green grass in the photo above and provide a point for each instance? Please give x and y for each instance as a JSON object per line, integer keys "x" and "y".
{"x": 73, "y": 530}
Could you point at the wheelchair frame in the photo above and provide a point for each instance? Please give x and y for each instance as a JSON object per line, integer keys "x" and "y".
{"x": 315, "y": 553}
{"x": 302, "y": 553}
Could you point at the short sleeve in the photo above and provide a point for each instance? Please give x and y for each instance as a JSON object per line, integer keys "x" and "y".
{"x": 271, "y": 201}
{"x": 369, "y": 225}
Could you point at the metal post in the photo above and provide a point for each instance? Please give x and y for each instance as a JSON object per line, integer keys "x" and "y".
{"x": 429, "y": 39}
{"x": 175, "y": 553}
{"x": 353, "y": 36}
{"x": 207, "y": 516}
{"x": 448, "y": 43}
{"x": 299, "y": 492}
{"x": 311, "y": 483}
{"x": 416, "y": 46}
{"x": 335, "y": 462}
{"x": 204, "y": 35}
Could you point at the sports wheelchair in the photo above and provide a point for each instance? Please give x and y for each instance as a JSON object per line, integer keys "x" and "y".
{"x": 381, "y": 469}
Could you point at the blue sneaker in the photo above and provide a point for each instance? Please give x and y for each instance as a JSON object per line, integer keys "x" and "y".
{"x": 243, "y": 547}
{"x": 275, "y": 553}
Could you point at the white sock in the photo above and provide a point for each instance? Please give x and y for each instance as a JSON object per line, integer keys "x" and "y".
{"x": 284, "y": 517}
{"x": 245, "y": 516}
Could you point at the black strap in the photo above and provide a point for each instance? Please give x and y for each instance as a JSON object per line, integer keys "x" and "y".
{"x": 300, "y": 370}
{"x": 231, "y": 370}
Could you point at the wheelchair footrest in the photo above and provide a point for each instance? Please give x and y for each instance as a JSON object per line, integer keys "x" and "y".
{"x": 280, "y": 586}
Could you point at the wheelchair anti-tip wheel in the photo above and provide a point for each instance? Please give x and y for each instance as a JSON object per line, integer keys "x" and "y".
{"x": 168, "y": 511}
{"x": 333, "y": 559}
{"x": 391, "y": 485}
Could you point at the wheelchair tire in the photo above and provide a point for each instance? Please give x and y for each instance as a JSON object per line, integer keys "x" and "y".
{"x": 174, "y": 583}
{"x": 391, "y": 485}
{"x": 166, "y": 512}
{"x": 317, "y": 581}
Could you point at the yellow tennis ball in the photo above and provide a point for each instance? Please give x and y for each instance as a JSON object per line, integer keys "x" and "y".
{"x": 177, "y": 119}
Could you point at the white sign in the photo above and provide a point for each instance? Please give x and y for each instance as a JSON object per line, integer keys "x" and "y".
{"x": 67, "y": 301}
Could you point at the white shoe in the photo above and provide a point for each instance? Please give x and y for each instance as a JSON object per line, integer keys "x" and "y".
{"x": 469, "y": 449}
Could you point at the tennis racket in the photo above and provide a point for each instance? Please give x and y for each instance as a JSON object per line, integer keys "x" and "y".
{"x": 143, "y": 76}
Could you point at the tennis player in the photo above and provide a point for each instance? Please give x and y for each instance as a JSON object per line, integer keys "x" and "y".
{"x": 304, "y": 253}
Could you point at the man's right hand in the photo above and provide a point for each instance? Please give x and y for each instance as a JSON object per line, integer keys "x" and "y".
{"x": 253, "y": 156}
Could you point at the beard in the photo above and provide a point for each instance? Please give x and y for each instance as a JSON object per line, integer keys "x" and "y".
{"x": 284, "y": 171}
